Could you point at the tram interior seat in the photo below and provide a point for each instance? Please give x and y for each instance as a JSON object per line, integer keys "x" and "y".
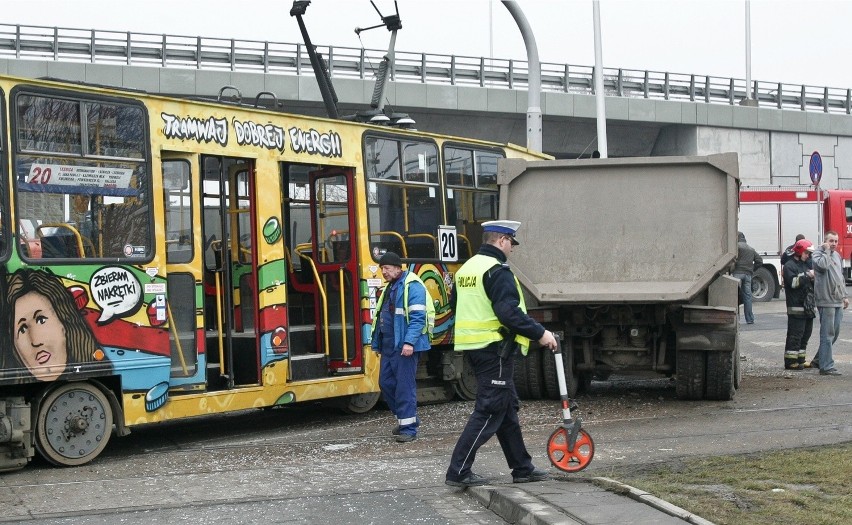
{"x": 59, "y": 245}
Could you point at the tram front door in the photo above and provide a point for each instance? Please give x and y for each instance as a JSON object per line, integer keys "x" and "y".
{"x": 230, "y": 271}
{"x": 323, "y": 290}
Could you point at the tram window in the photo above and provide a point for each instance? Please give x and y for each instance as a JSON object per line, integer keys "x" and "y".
{"x": 420, "y": 162}
{"x": 113, "y": 130}
{"x": 177, "y": 199}
{"x": 471, "y": 193}
{"x": 403, "y": 217}
{"x": 5, "y": 238}
{"x": 382, "y": 158}
{"x": 48, "y": 124}
{"x": 296, "y": 211}
{"x": 79, "y": 207}
{"x": 486, "y": 170}
{"x": 332, "y": 218}
{"x": 458, "y": 167}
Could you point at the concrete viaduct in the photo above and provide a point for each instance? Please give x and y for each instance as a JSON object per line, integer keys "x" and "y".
{"x": 648, "y": 113}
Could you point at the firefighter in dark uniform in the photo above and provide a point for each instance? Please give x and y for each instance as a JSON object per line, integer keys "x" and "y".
{"x": 491, "y": 324}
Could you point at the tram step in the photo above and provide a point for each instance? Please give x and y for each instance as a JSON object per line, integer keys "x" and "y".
{"x": 308, "y": 366}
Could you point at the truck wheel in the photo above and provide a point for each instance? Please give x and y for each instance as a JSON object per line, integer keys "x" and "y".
{"x": 533, "y": 369}
{"x": 762, "y": 286}
{"x": 520, "y": 377}
{"x": 584, "y": 382}
{"x": 572, "y": 377}
{"x": 738, "y": 366}
{"x": 690, "y": 371}
{"x": 73, "y": 425}
{"x": 548, "y": 369}
{"x": 721, "y": 376}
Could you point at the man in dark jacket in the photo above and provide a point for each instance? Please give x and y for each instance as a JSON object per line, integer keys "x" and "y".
{"x": 798, "y": 286}
{"x": 491, "y": 324}
{"x": 747, "y": 261}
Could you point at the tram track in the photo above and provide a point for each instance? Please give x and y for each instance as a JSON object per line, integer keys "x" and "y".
{"x": 197, "y": 466}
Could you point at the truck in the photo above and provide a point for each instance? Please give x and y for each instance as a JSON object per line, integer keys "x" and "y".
{"x": 770, "y": 217}
{"x": 628, "y": 261}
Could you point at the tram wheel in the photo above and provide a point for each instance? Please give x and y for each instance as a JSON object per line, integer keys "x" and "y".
{"x": 73, "y": 425}
{"x": 466, "y": 384}
{"x": 359, "y": 403}
{"x": 577, "y": 459}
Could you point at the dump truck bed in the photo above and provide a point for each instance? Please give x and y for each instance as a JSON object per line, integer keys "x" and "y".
{"x": 649, "y": 230}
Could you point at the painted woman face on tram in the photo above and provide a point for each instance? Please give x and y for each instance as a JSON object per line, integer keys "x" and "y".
{"x": 48, "y": 334}
{"x": 39, "y": 337}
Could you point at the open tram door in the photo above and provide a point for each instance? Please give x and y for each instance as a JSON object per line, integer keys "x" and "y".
{"x": 230, "y": 271}
{"x": 323, "y": 291}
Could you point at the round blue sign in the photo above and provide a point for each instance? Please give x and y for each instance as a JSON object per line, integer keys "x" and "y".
{"x": 815, "y": 167}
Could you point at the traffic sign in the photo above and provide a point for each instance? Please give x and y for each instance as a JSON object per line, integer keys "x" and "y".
{"x": 815, "y": 168}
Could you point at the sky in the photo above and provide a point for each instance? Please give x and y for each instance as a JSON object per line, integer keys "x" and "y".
{"x": 792, "y": 41}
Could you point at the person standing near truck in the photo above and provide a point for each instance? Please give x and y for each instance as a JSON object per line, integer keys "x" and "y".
{"x": 831, "y": 300}
{"x": 747, "y": 261}
{"x": 491, "y": 324}
{"x": 799, "y": 294}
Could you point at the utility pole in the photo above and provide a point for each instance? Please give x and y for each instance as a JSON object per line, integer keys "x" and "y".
{"x": 533, "y": 75}
{"x": 600, "y": 105}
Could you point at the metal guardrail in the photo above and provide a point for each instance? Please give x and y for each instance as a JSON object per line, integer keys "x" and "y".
{"x": 161, "y": 50}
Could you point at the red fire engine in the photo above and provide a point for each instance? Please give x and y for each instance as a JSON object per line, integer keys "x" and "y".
{"x": 771, "y": 217}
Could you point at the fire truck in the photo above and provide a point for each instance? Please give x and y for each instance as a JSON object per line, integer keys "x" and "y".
{"x": 771, "y": 216}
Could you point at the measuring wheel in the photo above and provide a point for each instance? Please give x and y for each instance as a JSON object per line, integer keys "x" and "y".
{"x": 570, "y": 448}
{"x": 577, "y": 458}
{"x": 74, "y": 424}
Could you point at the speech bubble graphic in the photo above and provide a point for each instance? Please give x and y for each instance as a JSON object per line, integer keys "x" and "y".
{"x": 116, "y": 291}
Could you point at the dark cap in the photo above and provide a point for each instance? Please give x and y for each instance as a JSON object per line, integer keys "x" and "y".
{"x": 390, "y": 258}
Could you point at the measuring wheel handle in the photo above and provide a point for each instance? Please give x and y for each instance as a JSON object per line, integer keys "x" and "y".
{"x": 570, "y": 448}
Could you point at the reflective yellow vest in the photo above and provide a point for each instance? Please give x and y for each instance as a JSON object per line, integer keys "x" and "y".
{"x": 429, "y": 327}
{"x": 477, "y": 325}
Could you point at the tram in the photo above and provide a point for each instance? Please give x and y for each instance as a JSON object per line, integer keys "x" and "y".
{"x": 164, "y": 258}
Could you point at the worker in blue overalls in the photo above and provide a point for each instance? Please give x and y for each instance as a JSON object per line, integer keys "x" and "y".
{"x": 491, "y": 325}
{"x": 400, "y": 334}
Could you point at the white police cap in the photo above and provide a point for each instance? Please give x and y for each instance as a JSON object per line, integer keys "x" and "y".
{"x": 505, "y": 227}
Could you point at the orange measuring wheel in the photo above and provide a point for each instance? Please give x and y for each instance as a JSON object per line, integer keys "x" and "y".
{"x": 573, "y": 460}
{"x": 570, "y": 448}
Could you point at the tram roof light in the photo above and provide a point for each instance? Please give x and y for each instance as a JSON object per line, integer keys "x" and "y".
{"x": 379, "y": 118}
{"x": 402, "y": 120}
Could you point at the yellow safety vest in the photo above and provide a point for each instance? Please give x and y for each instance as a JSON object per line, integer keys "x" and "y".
{"x": 429, "y": 327}
{"x": 476, "y": 324}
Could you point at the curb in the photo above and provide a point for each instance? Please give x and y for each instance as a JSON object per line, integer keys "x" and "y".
{"x": 648, "y": 499}
{"x": 517, "y": 506}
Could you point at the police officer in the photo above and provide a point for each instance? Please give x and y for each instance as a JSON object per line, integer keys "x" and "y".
{"x": 400, "y": 333}
{"x": 491, "y": 323}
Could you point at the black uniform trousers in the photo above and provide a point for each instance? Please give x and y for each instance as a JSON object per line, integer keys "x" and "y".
{"x": 495, "y": 412}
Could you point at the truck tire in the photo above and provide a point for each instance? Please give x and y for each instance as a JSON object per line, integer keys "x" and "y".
{"x": 551, "y": 381}
{"x": 548, "y": 370}
{"x": 762, "y": 286}
{"x": 690, "y": 370}
{"x": 520, "y": 377}
{"x": 721, "y": 376}
{"x": 535, "y": 377}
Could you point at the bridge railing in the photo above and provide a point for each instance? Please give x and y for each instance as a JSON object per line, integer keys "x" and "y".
{"x": 161, "y": 50}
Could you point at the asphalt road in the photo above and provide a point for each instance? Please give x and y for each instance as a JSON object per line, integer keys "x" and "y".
{"x": 312, "y": 464}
